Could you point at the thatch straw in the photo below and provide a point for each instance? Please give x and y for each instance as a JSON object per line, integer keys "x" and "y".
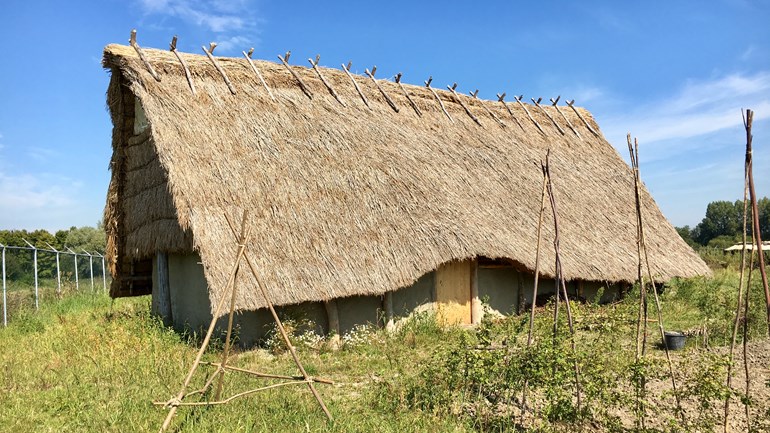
{"x": 348, "y": 200}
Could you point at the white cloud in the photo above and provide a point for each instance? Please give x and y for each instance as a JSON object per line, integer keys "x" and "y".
{"x": 748, "y": 53}
{"x": 697, "y": 109}
{"x": 235, "y": 43}
{"x": 41, "y": 154}
{"x": 40, "y": 201}
{"x": 27, "y": 193}
{"x": 234, "y": 23}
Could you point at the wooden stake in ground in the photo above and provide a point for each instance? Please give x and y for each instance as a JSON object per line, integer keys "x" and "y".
{"x": 307, "y": 379}
{"x": 739, "y": 318}
{"x": 641, "y": 322}
{"x": 537, "y": 279}
{"x": 560, "y": 279}
{"x": 638, "y": 182}
{"x": 173, "y": 404}
{"x": 230, "y": 288}
{"x": 755, "y": 214}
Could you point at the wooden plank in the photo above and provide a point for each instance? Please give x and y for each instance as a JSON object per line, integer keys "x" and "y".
{"x": 161, "y": 293}
{"x": 476, "y": 311}
{"x": 453, "y": 292}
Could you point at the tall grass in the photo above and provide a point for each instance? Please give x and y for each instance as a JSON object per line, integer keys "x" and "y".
{"x": 89, "y": 363}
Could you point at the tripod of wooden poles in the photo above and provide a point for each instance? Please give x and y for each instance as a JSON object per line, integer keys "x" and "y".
{"x": 561, "y": 289}
{"x": 742, "y": 305}
{"x": 222, "y": 367}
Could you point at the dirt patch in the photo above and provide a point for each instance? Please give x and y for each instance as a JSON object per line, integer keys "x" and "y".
{"x": 695, "y": 380}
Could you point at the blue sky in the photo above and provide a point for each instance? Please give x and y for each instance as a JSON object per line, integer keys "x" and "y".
{"x": 674, "y": 74}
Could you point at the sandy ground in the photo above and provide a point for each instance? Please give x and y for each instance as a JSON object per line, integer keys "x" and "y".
{"x": 759, "y": 389}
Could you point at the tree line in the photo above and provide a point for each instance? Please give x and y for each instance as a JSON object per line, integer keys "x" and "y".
{"x": 723, "y": 224}
{"x": 19, "y": 264}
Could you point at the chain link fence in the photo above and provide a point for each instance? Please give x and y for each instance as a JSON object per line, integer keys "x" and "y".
{"x": 53, "y": 274}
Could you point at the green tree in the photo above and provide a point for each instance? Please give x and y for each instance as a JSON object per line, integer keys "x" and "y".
{"x": 20, "y": 263}
{"x": 686, "y": 233}
{"x": 722, "y": 218}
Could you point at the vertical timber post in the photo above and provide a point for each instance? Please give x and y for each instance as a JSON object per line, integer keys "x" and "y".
{"x": 161, "y": 294}
{"x": 388, "y": 301}
{"x": 91, "y": 268}
{"x": 58, "y": 275}
{"x": 104, "y": 275}
{"x": 77, "y": 281}
{"x": 34, "y": 261}
{"x": 476, "y": 312}
{"x": 58, "y": 270}
{"x": 37, "y": 291}
{"x": 333, "y": 319}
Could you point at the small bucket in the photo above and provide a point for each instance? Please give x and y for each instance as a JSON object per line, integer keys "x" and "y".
{"x": 674, "y": 340}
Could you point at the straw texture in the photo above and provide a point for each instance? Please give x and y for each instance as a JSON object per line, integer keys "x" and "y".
{"x": 351, "y": 200}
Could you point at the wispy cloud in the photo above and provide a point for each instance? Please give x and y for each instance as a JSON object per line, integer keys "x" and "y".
{"x": 235, "y": 24}
{"x": 697, "y": 109}
{"x": 41, "y": 154}
{"x": 27, "y": 193}
{"x": 748, "y": 53}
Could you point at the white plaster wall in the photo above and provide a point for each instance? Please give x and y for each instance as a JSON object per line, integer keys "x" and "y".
{"x": 500, "y": 288}
{"x": 190, "y": 304}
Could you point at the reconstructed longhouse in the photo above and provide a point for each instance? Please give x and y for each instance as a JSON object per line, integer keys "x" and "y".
{"x": 359, "y": 207}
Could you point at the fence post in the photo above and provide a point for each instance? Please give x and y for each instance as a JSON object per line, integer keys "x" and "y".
{"x": 75, "y": 255}
{"x": 58, "y": 271}
{"x": 91, "y": 267}
{"x": 104, "y": 275}
{"x": 34, "y": 261}
{"x": 5, "y": 298}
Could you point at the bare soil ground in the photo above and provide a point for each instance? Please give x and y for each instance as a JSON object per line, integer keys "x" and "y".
{"x": 687, "y": 362}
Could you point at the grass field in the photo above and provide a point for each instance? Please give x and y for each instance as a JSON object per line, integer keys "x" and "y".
{"x": 88, "y": 363}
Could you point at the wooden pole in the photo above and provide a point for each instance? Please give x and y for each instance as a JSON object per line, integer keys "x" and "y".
{"x": 655, "y": 290}
{"x": 441, "y": 104}
{"x": 556, "y": 101}
{"x": 323, "y": 80}
{"x": 259, "y": 74}
{"x": 537, "y": 104}
{"x": 739, "y": 318}
{"x": 459, "y": 101}
{"x": 173, "y": 404}
{"x": 230, "y": 317}
{"x": 477, "y": 312}
{"x": 138, "y": 49}
{"x": 642, "y": 316}
{"x": 501, "y": 99}
{"x": 282, "y": 330}
{"x": 387, "y": 301}
{"x": 5, "y": 294}
{"x": 187, "y": 75}
{"x": 358, "y": 89}
{"x": 524, "y": 107}
{"x": 408, "y": 97}
{"x": 285, "y": 61}
{"x": 571, "y": 104}
{"x": 746, "y": 375}
{"x": 537, "y": 277}
{"x": 755, "y": 213}
{"x": 560, "y": 279}
{"x": 475, "y": 96}
{"x": 209, "y": 53}
{"x": 384, "y": 95}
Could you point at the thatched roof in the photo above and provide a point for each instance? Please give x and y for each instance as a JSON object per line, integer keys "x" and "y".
{"x": 352, "y": 200}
